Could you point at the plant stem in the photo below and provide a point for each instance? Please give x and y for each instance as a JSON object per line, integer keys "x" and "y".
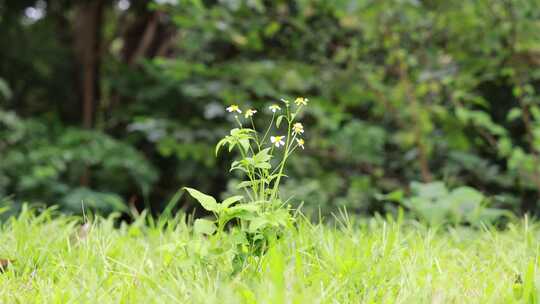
{"x": 269, "y": 127}
{"x": 282, "y": 165}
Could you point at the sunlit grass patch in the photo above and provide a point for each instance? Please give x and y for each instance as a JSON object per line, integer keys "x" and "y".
{"x": 373, "y": 261}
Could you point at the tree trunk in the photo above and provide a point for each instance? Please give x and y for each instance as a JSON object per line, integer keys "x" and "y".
{"x": 87, "y": 27}
{"x": 87, "y": 44}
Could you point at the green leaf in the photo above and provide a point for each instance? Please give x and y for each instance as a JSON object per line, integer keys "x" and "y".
{"x": 274, "y": 176}
{"x": 264, "y": 165}
{"x": 257, "y": 223}
{"x": 244, "y": 142}
{"x": 395, "y": 196}
{"x": 5, "y": 91}
{"x": 246, "y": 184}
{"x": 245, "y": 207}
{"x": 467, "y": 197}
{"x": 262, "y": 156}
{"x": 231, "y": 200}
{"x": 278, "y": 120}
{"x": 203, "y": 226}
{"x": 207, "y": 202}
{"x": 235, "y": 132}
{"x": 239, "y": 165}
{"x": 513, "y": 114}
{"x": 535, "y": 112}
{"x": 241, "y": 211}
{"x": 529, "y": 288}
{"x": 220, "y": 144}
{"x": 429, "y": 190}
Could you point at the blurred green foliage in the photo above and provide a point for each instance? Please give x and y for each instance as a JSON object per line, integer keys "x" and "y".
{"x": 400, "y": 91}
{"x": 44, "y": 165}
{"x": 435, "y": 204}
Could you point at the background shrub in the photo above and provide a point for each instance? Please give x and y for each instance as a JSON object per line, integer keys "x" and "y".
{"x": 400, "y": 91}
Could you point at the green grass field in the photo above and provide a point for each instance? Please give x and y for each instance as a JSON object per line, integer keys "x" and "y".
{"x": 56, "y": 260}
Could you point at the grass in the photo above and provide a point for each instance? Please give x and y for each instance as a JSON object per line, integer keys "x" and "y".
{"x": 372, "y": 261}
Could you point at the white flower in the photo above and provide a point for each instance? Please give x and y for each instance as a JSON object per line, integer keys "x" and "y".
{"x": 277, "y": 140}
{"x": 250, "y": 113}
{"x": 233, "y": 108}
{"x": 301, "y": 101}
{"x": 274, "y": 108}
{"x": 300, "y": 142}
{"x": 298, "y": 128}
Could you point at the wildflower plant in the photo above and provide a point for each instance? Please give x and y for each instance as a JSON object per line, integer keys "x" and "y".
{"x": 263, "y": 154}
{"x": 259, "y": 150}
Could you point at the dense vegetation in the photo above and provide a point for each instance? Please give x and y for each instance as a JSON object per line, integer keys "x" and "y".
{"x": 375, "y": 261}
{"x": 347, "y": 151}
{"x": 120, "y": 103}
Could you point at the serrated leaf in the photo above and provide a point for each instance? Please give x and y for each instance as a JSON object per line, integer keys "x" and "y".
{"x": 203, "y": 226}
{"x": 262, "y": 156}
{"x": 207, "y": 202}
{"x": 264, "y": 165}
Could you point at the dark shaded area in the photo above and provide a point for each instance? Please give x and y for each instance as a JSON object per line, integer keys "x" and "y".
{"x": 120, "y": 103}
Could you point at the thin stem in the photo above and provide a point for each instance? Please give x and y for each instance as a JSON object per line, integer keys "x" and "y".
{"x": 269, "y": 127}
{"x": 288, "y": 154}
{"x": 260, "y": 172}
{"x": 248, "y": 194}
{"x": 263, "y": 195}
{"x": 249, "y": 173}
{"x": 285, "y": 155}
{"x": 238, "y": 121}
{"x": 256, "y": 134}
